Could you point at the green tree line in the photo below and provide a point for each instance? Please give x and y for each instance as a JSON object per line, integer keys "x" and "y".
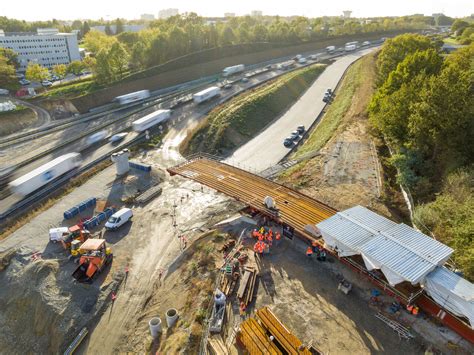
{"x": 424, "y": 108}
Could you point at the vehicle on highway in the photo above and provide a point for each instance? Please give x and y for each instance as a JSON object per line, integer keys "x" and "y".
{"x": 294, "y": 135}
{"x": 330, "y": 49}
{"x": 268, "y": 67}
{"x": 96, "y": 138}
{"x": 132, "y": 97}
{"x": 46, "y": 83}
{"x": 55, "y": 78}
{"x": 300, "y": 129}
{"x": 151, "y": 120}
{"x": 227, "y": 86}
{"x": 4, "y": 92}
{"x": 206, "y": 94}
{"x": 288, "y": 142}
{"x": 314, "y": 57}
{"x": 350, "y": 47}
{"x": 286, "y": 65}
{"x": 233, "y": 70}
{"x": 297, "y": 57}
{"x": 24, "y": 82}
{"x": 117, "y": 137}
{"x": 245, "y": 80}
{"x": 366, "y": 43}
{"x": 302, "y": 60}
{"x": 119, "y": 218}
{"x": 42, "y": 175}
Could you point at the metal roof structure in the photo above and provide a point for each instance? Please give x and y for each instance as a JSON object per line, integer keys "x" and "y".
{"x": 453, "y": 292}
{"x": 399, "y": 251}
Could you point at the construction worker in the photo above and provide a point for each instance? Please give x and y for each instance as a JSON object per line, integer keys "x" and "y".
{"x": 415, "y": 311}
{"x": 256, "y": 248}
{"x": 270, "y": 240}
{"x": 262, "y": 230}
{"x": 270, "y": 233}
{"x": 254, "y": 233}
{"x": 277, "y": 238}
{"x": 315, "y": 246}
{"x": 409, "y": 308}
{"x": 260, "y": 237}
{"x": 309, "y": 252}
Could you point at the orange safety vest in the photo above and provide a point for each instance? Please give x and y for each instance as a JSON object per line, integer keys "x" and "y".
{"x": 270, "y": 233}
{"x": 260, "y": 237}
{"x": 415, "y": 311}
{"x": 270, "y": 240}
{"x": 314, "y": 244}
{"x": 309, "y": 251}
{"x": 410, "y": 308}
{"x": 277, "y": 236}
{"x": 255, "y": 247}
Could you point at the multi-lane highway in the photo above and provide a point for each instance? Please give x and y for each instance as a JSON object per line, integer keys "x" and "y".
{"x": 269, "y": 143}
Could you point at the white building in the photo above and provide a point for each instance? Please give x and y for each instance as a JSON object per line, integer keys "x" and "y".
{"x": 256, "y": 13}
{"x": 229, "y": 14}
{"x": 347, "y": 14}
{"x": 165, "y": 13}
{"x": 46, "y": 47}
{"x": 126, "y": 28}
{"x": 147, "y": 17}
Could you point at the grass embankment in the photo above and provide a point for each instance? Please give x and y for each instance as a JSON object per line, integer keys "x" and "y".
{"x": 71, "y": 90}
{"x": 236, "y": 122}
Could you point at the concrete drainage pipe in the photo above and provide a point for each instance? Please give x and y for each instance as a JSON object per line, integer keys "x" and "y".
{"x": 171, "y": 317}
{"x": 155, "y": 326}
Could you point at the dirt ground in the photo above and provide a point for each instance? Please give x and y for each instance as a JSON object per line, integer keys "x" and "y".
{"x": 14, "y": 121}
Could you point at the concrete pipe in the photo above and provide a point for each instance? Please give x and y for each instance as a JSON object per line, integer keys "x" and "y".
{"x": 155, "y": 326}
{"x": 171, "y": 317}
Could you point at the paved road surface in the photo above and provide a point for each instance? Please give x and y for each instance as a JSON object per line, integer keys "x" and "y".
{"x": 266, "y": 149}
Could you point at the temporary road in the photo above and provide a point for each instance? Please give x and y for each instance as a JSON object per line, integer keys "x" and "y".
{"x": 269, "y": 144}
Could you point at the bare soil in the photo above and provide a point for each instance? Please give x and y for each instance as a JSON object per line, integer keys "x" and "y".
{"x": 12, "y": 122}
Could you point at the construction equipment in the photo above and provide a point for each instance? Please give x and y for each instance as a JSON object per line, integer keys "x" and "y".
{"x": 96, "y": 256}
{"x": 75, "y": 233}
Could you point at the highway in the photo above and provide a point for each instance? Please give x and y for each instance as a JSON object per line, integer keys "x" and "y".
{"x": 269, "y": 143}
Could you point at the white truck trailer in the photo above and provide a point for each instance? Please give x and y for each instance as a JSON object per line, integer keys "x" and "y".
{"x": 233, "y": 70}
{"x": 150, "y": 120}
{"x": 206, "y": 94}
{"x": 350, "y": 47}
{"x": 330, "y": 49}
{"x": 39, "y": 177}
{"x": 132, "y": 97}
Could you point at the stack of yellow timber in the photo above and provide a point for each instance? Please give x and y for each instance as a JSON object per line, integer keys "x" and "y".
{"x": 255, "y": 338}
{"x": 216, "y": 345}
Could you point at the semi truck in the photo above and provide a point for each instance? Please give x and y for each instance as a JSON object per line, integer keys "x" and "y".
{"x": 151, "y": 120}
{"x": 350, "y": 47}
{"x": 42, "y": 175}
{"x": 233, "y": 70}
{"x": 330, "y": 49}
{"x": 132, "y": 97}
{"x": 206, "y": 94}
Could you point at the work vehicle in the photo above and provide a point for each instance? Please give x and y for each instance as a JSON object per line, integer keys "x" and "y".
{"x": 46, "y": 83}
{"x": 206, "y": 94}
{"x": 151, "y": 120}
{"x": 117, "y": 137}
{"x": 74, "y": 233}
{"x": 330, "y": 49}
{"x": 300, "y": 129}
{"x": 57, "y": 234}
{"x": 95, "y": 257}
{"x": 132, "y": 97}
{"x": 119, "y": 218}
{"x": 24, "y": 82}
{"x": 294, "y": 135}
{"x": 42, "y": 175}
{"x": 233, "y": 70}
{"x": 288, "y": 142}
{"x": 96, "y": 138}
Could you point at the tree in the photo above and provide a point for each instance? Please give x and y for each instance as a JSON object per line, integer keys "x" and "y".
{"x": 8, "y": 78}
{"x": 108, "y": 30}
{"x": 118, "y": 60}
{"x": 36, "y": 72}
{"x": 60, "y": 70}
{"x": 443, "y": 20}
{"x": 396, "y": 49}
{"x": 76, "y": 67}
{"x": 85, "y": 29}
{"x": 119, "y": 28}
{"x": 11, "y": 57}
{"x": 94, "y": 41}
{"x": 459, "y": 26}
{"x": 227, "y": 36}
{"x": 89, "y": 62}
{"x": 103, "y": 68}
{"x": 138, "y": 57}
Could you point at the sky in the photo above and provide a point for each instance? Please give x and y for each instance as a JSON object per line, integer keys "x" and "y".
{"x": 31, "y": 10}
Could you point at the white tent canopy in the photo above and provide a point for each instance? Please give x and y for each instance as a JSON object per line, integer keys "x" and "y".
{"x": 399, "y": 251}
{"x": 452, "y": 292}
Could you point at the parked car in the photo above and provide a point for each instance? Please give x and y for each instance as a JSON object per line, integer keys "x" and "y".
{"x": 119, "y": 218}
{"x": 300, "y": 129}
{"x": 24, "y": 82}
{"x": 294, "y": 135}
{"x": 55, "y": 78}
{"x": 46, "y": 83}
{"x": 117, "y": 137}
{"x": 288, "y": 142}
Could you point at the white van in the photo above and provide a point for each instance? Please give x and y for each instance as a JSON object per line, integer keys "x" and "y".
{"x": 119, "y": 218}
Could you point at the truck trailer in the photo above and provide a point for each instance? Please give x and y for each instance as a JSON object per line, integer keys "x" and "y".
{"x": 150, "y": 120}
{"x": 330, "y": 49}
{"x": 350, "y": 47}
{"x": 233, "y": 70}
{"x": 42, "y": 175}
{"x": 206, "y": 94}
{"x": 132, "y": 97}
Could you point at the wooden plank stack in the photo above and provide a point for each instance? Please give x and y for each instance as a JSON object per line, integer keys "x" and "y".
{"x": 247, "y": 285}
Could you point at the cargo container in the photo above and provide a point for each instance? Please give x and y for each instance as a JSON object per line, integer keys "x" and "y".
{"x": 150, "y": 120}
{"x": 330, "y": 49}
{"x": 42, "y": 175}
{"x": 233, "y": 70}
{"x": 206, "y": 94}
{"x": 132, "y": 97}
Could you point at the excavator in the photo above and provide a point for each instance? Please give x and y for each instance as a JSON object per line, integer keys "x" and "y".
{"x": 95, "y": 257}
{"x": 75, "y": 233}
